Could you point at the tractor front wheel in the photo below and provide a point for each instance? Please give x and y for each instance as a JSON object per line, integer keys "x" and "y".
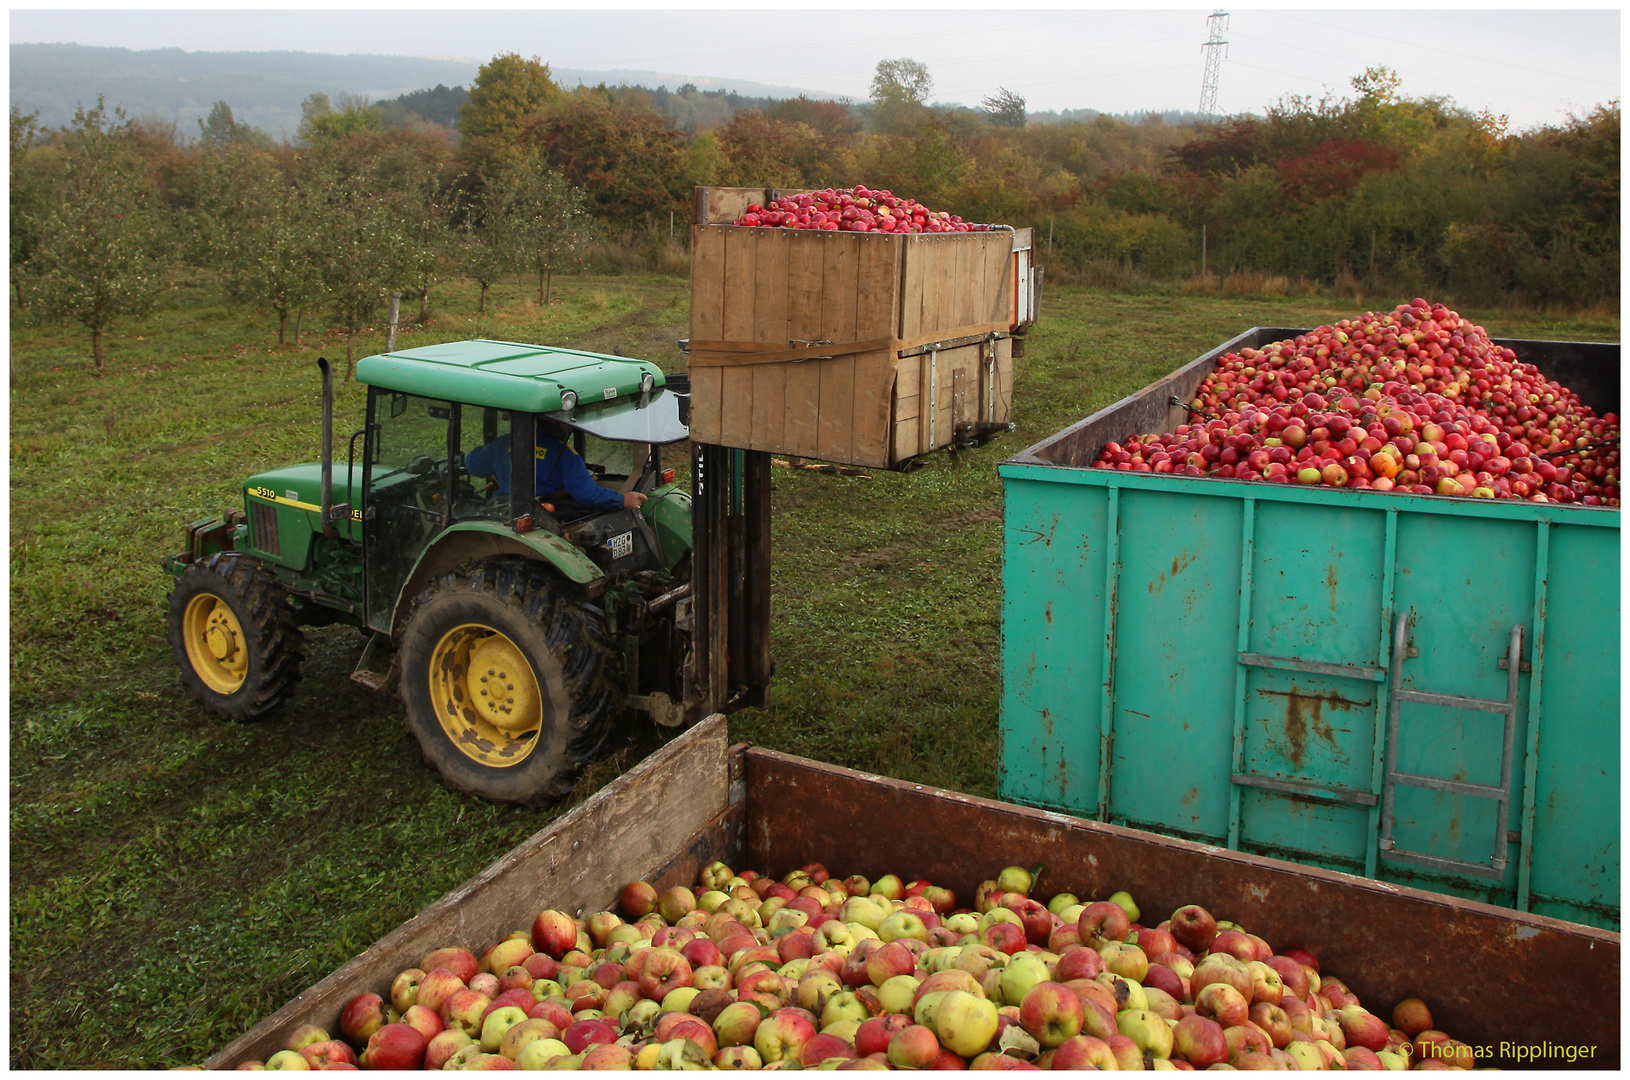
{"x": 506, "y": 681}
{"x": 234, "y": 636}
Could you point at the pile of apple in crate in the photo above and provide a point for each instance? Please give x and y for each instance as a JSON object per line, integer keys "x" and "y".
{"x": 745, "y": 972}
{"x": 1416, "y": 401}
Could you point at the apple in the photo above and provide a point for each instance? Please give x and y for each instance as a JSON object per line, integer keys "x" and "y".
{"x": 914, "y": 1047}
{"x": 553, "y": 932}
{"x": 363, "y": 1015}
{"x": 1411, "y": 1016}
{"x": 1222, "y": 1003}
{"x": 965, "y": 1024}
{"x": 287, "y": 1061}
{"x": 1103, "y": 920}
{"x": 321, "y": 1055}
{"x": 782, "y": 1034}
{"x": 538, "y": 1053}
{"x": 1193, "y": 927}
{"x": 1051, "y": 1013}
{"x": 1199, "y": 1040}
{"x": 394, "y": 1047}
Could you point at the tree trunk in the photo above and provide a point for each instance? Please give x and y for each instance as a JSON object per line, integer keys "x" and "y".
{"x": 543, "y": 297}
{"x": 548, "y": 280}
{"x": 349, "y": 335}
{"x": 481, "y": 309}
{"x": 96, "y": 347}
{"x": 18, "y": 285}
{"x": 395, "y": 315}
{"x": 424, "y": 306}
{"x": 299, "y": 317}
{"x": 282, "y": 326}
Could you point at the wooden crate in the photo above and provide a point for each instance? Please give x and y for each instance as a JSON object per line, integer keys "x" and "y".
{"x": 857, "y": 348}
{"x": 1489, "y": 974}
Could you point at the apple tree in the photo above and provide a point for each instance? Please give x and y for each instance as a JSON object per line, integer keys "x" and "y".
{"x": 98, "y": 251}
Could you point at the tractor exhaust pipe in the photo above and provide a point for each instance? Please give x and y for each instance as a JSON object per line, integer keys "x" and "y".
{"x": 328, "y": 449}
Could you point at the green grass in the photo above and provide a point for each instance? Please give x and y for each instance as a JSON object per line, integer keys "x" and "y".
{"x": 174, "y": 878}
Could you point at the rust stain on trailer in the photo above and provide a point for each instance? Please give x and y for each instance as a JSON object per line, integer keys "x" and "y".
{"x": 1304, "y": 713}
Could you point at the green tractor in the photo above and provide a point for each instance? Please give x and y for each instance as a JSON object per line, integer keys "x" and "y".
{"x": 518, "y": 626}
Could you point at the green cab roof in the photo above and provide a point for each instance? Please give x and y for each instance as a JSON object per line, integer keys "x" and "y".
{"x": 506, "y": 374}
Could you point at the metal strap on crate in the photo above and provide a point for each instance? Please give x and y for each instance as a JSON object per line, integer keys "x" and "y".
{"x": 1500, "y": 793}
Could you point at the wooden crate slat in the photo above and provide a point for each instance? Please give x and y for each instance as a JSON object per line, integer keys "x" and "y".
{"x": 806, "y": 268}
{"x": 878, "y": 315}
{"x": 839, "y": 312}
{"x": 706, "y": 324}
{"x": 770, "y": 326}
{"x": 742, "y": 246}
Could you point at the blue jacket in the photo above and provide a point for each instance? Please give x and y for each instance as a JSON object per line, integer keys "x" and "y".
{"x": 558, "y": 469}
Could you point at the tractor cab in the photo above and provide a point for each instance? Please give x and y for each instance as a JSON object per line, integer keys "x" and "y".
{"x": 449, "y": 425}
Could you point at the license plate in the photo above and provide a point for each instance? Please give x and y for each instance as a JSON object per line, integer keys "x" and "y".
{"x": 622, "y": 545}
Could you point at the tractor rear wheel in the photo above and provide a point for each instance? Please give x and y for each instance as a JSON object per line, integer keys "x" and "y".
{"x": 506, "y": 681}
{"x": 234, "y": 636}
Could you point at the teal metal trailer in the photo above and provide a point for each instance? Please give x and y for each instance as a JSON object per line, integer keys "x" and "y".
{"x": 1422, "y": 690}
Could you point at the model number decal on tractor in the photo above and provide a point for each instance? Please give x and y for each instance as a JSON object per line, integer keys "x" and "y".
{"x": 621, "y": 545}
{"x": 263, "y": 493}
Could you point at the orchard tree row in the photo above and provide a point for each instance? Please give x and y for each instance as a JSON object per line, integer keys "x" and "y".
{"x": 371, "y": 201}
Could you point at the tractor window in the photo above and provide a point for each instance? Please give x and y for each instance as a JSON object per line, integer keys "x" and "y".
{"x": 613, "y": 461}
{"x": 408, "y": 486}
{"x": 483, "y": 455}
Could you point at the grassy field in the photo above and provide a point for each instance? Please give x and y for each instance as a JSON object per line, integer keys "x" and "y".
{"x": 174, "y": 878}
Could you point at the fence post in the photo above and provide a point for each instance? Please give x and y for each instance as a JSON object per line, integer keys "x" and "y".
{"x": 390, "y": 332}
{"x": 1049, "y": 236}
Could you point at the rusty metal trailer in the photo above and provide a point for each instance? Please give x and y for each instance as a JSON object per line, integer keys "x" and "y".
{"x": 1494, "y": 978}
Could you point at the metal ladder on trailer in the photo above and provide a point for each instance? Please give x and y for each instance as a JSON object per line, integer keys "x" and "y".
{"x": 1495, "y": 867}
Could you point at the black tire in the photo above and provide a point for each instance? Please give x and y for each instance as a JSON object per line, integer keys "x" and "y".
{"x": 517, "y": 610}
{"x": 234, "y": 636}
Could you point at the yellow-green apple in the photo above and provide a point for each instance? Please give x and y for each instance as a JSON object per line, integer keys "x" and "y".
{"x": 1126, "y": 960}
{"x": 676, "y": 902}
{"x": 965, "y": 1024}
{"x": 310, "y": 1034}
{"x": 1128, "y": 992}
{"x": 890, "y": 887}
{"x": 736, "y": 1023}
{"x": 1163, "y": 1004}
{"x": 1062, "y": 900}
{"x": 287, "y": 1061}
{"x": 738, "y": 1058}
{"x": 815, "y": 987}
{"x": 903, "y": 924}
{"x": 1023, "y": 971}
{"x": 844, "y": 1005}
{"x": 1305, "y": 1054}
{"x": 497, "y": 1023}
{"x": 538, "y": 1053}
{"x": 1016, "y": 879}
{"x": 897, "y": 993}
{"x": 516, "y": 1038}
{"x": 1149, "y": 1030}
{"x": 505, "y": 954}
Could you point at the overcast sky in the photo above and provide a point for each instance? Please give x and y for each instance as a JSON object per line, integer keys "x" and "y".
{"x": 1535, "y": 67}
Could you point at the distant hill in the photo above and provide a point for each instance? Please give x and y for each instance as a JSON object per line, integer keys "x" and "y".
{"x": 265, "y": 89}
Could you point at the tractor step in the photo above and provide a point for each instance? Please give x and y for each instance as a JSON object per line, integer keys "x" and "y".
{"x": 366, "y": 672}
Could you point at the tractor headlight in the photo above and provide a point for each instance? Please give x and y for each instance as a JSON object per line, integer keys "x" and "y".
{"x": 568, "y": 400}
{"x": 648, "y": 383}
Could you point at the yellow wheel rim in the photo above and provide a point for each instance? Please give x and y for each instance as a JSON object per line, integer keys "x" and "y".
{"x": 485, "y": 695}
{"x": 215, "y": 643}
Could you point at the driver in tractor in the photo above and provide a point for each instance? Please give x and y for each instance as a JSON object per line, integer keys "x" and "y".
{"x": 564, "y": 482}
